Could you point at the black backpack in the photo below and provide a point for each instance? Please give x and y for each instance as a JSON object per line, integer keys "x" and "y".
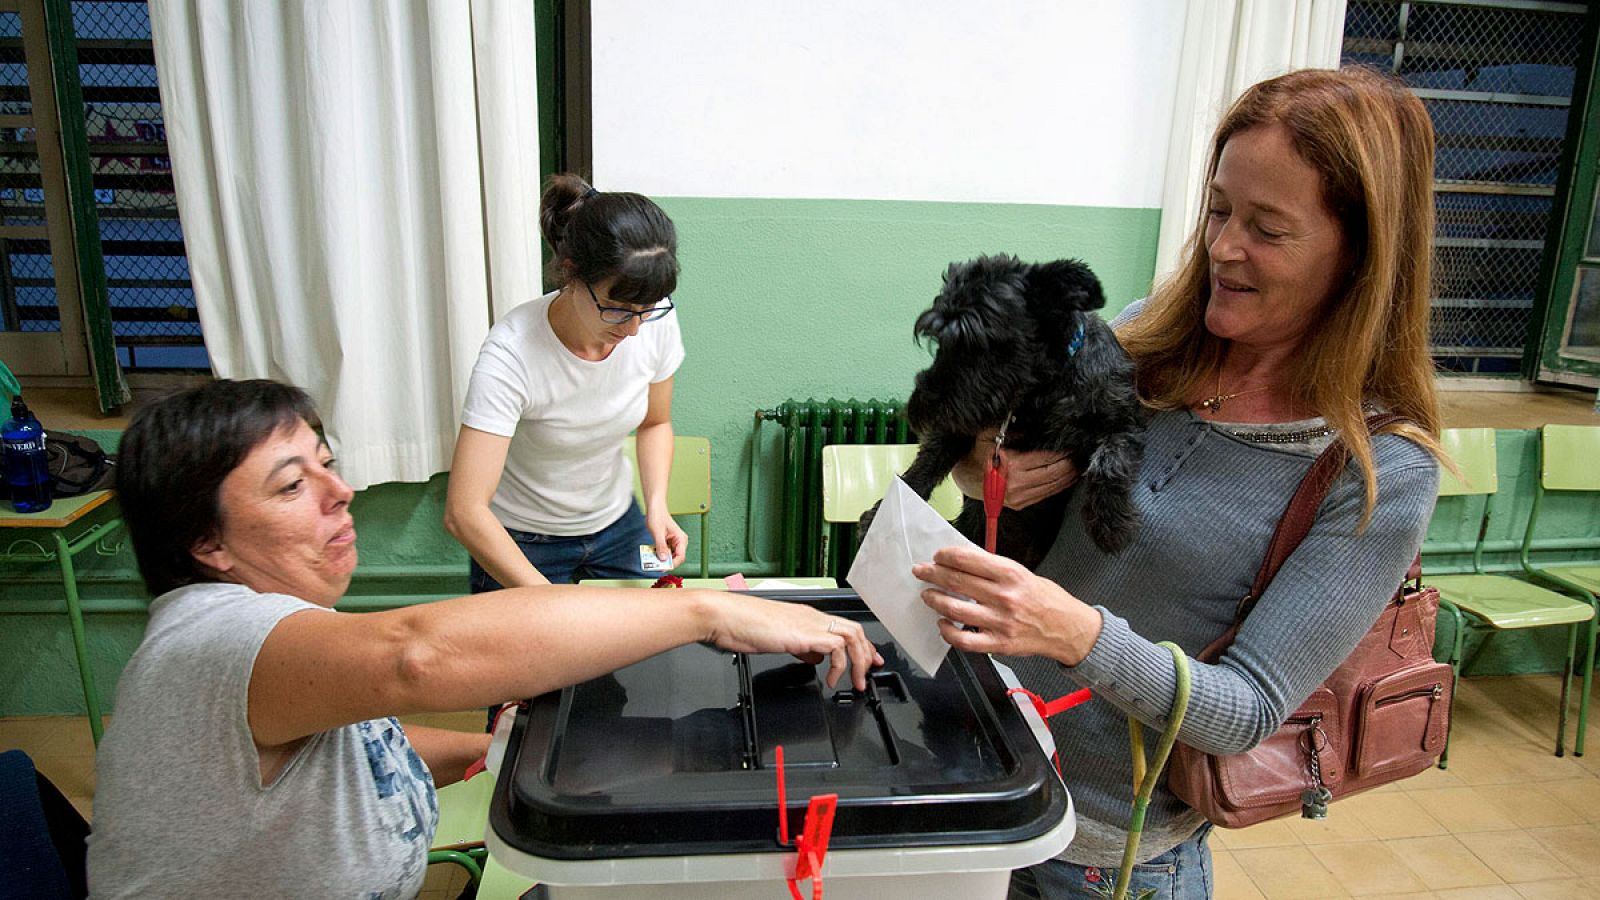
{"x": 79, "y": 465}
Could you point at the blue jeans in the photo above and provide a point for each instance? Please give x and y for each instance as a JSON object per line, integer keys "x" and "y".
{"x": 1182, "y": 873}
{"x": 611, "y": 552}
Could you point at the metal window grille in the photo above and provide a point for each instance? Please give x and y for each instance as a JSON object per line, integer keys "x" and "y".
{"x": 27, "y": 283}
{"x": 1497, "y": 78}
{"x": 147, "y": 270}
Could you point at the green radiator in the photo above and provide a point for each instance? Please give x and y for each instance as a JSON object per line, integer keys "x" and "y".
{"x": 808, "y": 426}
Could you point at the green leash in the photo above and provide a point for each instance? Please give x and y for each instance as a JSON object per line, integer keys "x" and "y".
{"x": 1146, "y": 776}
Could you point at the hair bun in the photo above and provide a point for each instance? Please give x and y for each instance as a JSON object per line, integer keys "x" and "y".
{"x": 563, "y": 195}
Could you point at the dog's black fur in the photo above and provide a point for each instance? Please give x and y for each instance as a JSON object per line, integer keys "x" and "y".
{"x": 1004, "y": 329}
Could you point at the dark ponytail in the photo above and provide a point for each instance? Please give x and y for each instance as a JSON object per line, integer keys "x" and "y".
{"x": 609, "y": 233}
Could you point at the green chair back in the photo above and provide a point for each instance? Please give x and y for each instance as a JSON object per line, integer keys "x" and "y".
{"x": 1473, "y": 451}
{"x": 688, "y": 486}
{"x": 1490, "y": 603}
{"x": 464, "y": 812}
{"x": 855, "y": 476}
{"x": 689, "y": 482}
{"x": 716, "y": 584}
{"x": 1570, "y": 458}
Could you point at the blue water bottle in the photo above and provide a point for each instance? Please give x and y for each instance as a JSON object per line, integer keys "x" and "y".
{"x": 27, "y": 464}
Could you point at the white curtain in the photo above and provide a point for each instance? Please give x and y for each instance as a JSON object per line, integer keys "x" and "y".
{"x": 358, "y": 186}
{"x": 1229, "y": 45}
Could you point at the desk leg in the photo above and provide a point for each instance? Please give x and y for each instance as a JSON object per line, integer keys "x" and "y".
{"x": 69, "y": 581}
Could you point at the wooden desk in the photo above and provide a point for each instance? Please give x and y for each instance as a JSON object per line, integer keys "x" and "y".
{"x": 59, "y": 520}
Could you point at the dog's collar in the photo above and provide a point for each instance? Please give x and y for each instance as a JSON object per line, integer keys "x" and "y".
{"x": 1076, "y": 344}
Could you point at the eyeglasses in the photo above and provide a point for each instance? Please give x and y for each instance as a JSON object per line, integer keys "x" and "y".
{"x": 617, "y": 315}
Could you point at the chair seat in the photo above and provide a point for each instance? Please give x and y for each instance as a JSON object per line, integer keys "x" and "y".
{"x": 1508, "y": 603}
{"x": 1587, "y": 577}
{"x": 464, "y": 812}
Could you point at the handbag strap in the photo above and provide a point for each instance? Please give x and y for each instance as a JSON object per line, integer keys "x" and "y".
{"x": 1294, "y": 525}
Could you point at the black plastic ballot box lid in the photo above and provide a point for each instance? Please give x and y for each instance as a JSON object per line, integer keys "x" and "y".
{"x": 674, "y": 756}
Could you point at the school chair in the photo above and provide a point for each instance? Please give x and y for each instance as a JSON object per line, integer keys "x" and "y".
{"x": 1569, "y": 464}
{"x": 688, "y": 486}
{"x": 856, "y": 476}
{"x": 463, "y": 819}
{"x": 1488, "y": 603}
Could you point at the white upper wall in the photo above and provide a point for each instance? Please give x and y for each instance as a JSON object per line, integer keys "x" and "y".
{"x": 1018, "y": 101}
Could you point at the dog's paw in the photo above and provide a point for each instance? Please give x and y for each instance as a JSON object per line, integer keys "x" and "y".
{"x": 1112, "y": 530}
{"x": 865, "y": 522}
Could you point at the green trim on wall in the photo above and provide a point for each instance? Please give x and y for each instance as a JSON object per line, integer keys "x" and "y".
{"x": 406, "y": 558}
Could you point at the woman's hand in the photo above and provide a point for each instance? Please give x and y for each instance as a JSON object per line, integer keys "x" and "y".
{"x": 1016, "y": 612}
{"x": 753, "y": 625}
{"x": 671, "y": 541}
{"x": 1031, "y": 475}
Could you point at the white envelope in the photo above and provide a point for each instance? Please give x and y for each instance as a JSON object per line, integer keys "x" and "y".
{"x": 906, "y": 530}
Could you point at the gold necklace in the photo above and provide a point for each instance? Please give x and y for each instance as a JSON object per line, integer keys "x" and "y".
{"x": 1213, "y": 404}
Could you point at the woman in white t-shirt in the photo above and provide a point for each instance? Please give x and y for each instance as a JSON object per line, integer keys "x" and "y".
{"x": 541, "y": 490}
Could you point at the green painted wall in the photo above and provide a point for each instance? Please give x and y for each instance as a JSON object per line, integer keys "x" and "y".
{"x": 785, "y": 299}
{"x": 780, "y": 299}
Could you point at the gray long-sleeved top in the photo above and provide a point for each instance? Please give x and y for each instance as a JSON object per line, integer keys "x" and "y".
{"x": 1210, "y": 501}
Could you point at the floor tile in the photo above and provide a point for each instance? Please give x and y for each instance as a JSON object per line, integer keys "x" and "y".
{"x": 1289, "y": 873}
{"x": 1489, "y": 892}
{"x": 1431, "y": 778}
{"x": 1268, "y": 834}
{"x": 47, "y": 735}
{"x": 1578, "y": 846}
{"x": 1229, "y": 879}
{"x": 73, "y": 776}
{"x": 1340, "y": 827}
{"x": 1582, "y": 795}
{"x": 1530, "y": 805}
{"x": 1443, "y": 862}
{"x": 1367, "y": 868}
{"x": 1566, "y": 889}
{"x": 1517, "y": 763}
{"x": 1462, "y": 810}
{"x": 1516, "y": 856}
{"x": 1390, "y": 816}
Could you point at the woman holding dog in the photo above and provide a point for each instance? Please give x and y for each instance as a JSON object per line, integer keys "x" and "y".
{"x": 540, "y": 489}
{"x": 1301, "y": 306}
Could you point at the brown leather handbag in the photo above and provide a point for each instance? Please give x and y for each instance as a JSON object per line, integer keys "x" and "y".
{"x": 1381, "y": 716}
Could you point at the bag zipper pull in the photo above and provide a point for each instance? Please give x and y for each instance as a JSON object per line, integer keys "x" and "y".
{"x": 1315, "y": 799}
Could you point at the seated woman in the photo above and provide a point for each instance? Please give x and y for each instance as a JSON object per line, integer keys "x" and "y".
{"x": 253, "y": 752}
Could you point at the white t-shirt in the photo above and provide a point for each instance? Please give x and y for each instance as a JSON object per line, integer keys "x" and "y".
{"x": 565, "y": 472}
{"x": 179, "y": 808}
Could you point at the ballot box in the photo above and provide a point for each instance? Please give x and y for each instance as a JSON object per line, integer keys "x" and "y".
{"x": 662, "y": 779}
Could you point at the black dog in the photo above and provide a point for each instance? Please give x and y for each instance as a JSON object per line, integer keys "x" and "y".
{"x": 1019, "y": 346}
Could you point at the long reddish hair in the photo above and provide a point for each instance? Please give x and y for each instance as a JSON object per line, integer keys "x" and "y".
{"x": 1371, "y": 140}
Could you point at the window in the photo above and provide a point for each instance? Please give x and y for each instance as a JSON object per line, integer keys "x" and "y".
{"x": 53, "y": 309}
{"x": 147, "y": 272}
{"x": 1497, "y": 79}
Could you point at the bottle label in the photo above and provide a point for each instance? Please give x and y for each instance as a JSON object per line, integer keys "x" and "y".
{"x": 30, "y": 445}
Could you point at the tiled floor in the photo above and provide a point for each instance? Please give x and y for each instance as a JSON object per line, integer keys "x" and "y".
{"x": 1507, "y": 820}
